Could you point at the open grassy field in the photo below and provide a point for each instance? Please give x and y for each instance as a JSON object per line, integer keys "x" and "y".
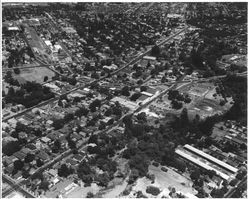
{"x": 36, "y": 41}
{"x": 34, "y": 74}
{"x": 163, "y": 180}
{"x": 81, "y": 192}
{"x": 204, "y": 103}
{"x": 199, "y": 89}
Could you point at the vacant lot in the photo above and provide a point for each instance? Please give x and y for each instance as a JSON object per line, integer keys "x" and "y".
{"x": 34, "y": 74}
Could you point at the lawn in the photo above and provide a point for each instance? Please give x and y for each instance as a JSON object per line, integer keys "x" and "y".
{"x": 163, "y": 180}
{"x": 81, "y": 192}
{"x": 34, "y": 74}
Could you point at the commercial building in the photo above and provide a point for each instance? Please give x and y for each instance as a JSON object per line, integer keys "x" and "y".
{"x": 211, "y": 158}
{"x": 206, "y": 161}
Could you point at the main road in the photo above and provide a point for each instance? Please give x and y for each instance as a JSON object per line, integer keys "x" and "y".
{"x": 15, "y": 187}
{"x": 242, "y": 183}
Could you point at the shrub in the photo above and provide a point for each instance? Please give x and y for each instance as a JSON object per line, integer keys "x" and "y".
{"x": 156, "y": 164}
{"x": 153, "y": 190}
{"x": 164, "y": 169}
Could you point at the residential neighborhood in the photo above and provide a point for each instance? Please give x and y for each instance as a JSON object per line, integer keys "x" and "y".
{"x": 124, "y": 100}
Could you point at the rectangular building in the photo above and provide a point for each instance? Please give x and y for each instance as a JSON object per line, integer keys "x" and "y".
{"x": 201, "y": 164}
{"x": 211, "y": 158}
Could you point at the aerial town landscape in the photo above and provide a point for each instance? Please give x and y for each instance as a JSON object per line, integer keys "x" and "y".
{"x": 124, "y": 100}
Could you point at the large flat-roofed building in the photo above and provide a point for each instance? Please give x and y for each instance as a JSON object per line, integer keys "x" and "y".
{"x": 198, "y": 162}
{"x": 211, "y": 158}
{"x": 206, "y": 161}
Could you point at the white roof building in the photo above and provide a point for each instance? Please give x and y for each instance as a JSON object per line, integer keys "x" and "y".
{"x": 149, "y": 58}
{"x": 211, "y": 158}
{"x": 201, "y": 164}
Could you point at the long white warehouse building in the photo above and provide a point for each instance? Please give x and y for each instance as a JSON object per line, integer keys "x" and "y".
{"x": 211, "y": 158}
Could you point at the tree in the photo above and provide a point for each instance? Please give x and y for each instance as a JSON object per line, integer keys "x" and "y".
{"x": 84, "y": 172}
{"x": 94, "y": 150}
{"x": 117, "y": 110}
{"x": 103, "y": 179}
{"x": 11, "y": 147}
{"x": 207, "y": 125}
{"x": 77, "y": 99}
{"x": 37, "y": 175}
{"x": 90, "y": 195}
{"x": 135, "y": 96}
{"x": 127, "y": 120}
{"x": 172, "y": 94}
{"x": 125, "y": 91}
{"x": 140, "y": 163}
{"x": 58, "y": 124}
{"x": 142, "y": 116}
{"x": 64, "y": 171}
{"x": 39, "y": 162}
{"x": 143, "y": 88}
{"x": 138, "y": 130}
{"x": 94, "y": 104}
{"x": 233, "y": 182}
{"x": 217, "y": 193}
{"x": 187, "y": 99}
{"x": 93, "y": 139}
{"x": 11, "y": 92}
{"x": 60, "y": 103}
{"x": 18, "y": 165}
{"x": 153, "y": 190}
{"x": 82, "y": 112}
{"x": 211, "y": 173}
{"x": 20, "y": 127}
{"x": 44, "y": 185}
{"x": 133, "y": 176}
{"x": 240, "y": 175}
{"x": 56, "y": 147}
{"x": 108, "y": 112}
{"x": 57, "y": 144}
{"x": 72, "y": 144}
{"x": 25, "y": 174}
{"x": 184, "y": 117}
{"x": 181, "y": 166}
{"x": 45, "y": 78}
{"x": 243, "y": 146}
{"x": 151, "y": 177}
{"x": 176, "y": 105}
{"x": 72, "y": 81}
{"x": 139, "y": 194}
{"x": 155, "y": 51}
{"x": 29, "y": 158}
{"x": 68, "y": 117}
{"x": 195, "y": 175}
{"x": 17, "y": 71}
{"x": 95, "y": 75}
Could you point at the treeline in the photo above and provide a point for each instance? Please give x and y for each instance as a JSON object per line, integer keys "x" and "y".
{"x": 236, "y": 87}
{"x": 29, "y": 94}
{"x": 149, "y": 143}
{"x": 104, "y": 147}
